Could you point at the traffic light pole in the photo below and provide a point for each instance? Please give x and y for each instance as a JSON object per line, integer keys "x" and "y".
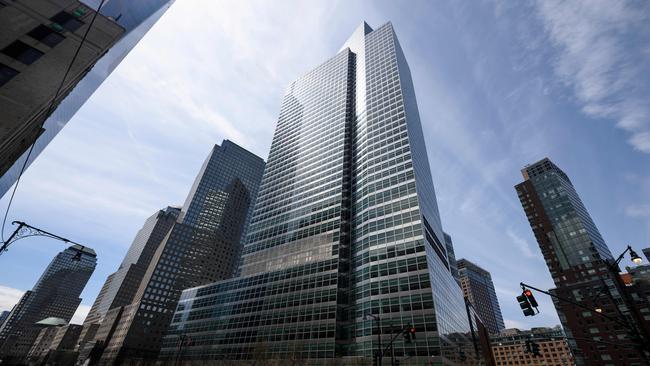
{"x": 574, "y": 303}
{"x": 636, "y": 336}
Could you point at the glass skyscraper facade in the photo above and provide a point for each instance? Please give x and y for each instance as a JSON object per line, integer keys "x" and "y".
{"x": 121, "y": 286}
{"x": 580, "y": 264}
{"x": 56, "y": 294}
{"x": 479, "y": 290}
{"x": 132, "y": 19}
{"x": 202, "y": 247}
{"x": 346, "y": 225}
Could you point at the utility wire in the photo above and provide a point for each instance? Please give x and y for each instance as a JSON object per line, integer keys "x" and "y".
{"x": 47, "y": 115}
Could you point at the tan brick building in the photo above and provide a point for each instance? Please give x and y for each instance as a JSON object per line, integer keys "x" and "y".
{"x": 509, "y": 348}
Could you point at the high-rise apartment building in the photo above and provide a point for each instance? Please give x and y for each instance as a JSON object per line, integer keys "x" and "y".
{"x": 478, "y": 288}
{"x": 345, "y": 228}
{"x": 38, "y": 41}
{"x": 120, "y": 287}
{"x": 202, "y": 247}
{"x": 583, "y": 270}
{"x": 56, "y": 294}
{"x": 509, "y": 347}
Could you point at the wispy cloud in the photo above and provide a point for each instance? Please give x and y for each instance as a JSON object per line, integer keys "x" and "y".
{"x": 638, "y": 210}
{"x": 522, "y": 244}
{"x": 594, "y": 58}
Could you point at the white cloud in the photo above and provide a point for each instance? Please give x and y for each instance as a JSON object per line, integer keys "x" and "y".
{"x": 522, "y": 244}
{"x": 80, "y": 315}
{"x": 594, "y": 58}
{"x": 9, "y": 296}
{"x": 510, "y": 323}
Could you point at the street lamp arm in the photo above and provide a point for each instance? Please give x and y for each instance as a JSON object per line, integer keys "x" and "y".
{"x": 25, "y": 230}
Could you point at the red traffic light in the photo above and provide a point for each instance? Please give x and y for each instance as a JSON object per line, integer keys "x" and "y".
{"x": 528, "y": 293}
{"x": 412, "y": 330}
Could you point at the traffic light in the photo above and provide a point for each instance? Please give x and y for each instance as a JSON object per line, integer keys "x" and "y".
{"x": 534, "y": 347}
{"x": 530, "y": 297}
{"x": 525, "y": 305}
{"x": 408, "y": 334}
{"x": 528, "y": 348}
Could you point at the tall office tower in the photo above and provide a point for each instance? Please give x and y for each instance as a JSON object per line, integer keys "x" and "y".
{"x": 202, "y": 247}
{"x": 346, "y": 226}
{"x": 451, "y": 257}
{"x": 56, "y": 294}
{"x": 121, "y": 286}
{"x": 580, "y": 264}
{"x": 479, "y": 290}
{"x": 38, "y": 41}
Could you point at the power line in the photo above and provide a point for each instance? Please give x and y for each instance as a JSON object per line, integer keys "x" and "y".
{"x": 47, "y": 115}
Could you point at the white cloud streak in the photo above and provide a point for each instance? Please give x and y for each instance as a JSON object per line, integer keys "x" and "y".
{"x": 522, "y": 244}
{"x": 9, "y": 296}
{"x": 594, "y": 58}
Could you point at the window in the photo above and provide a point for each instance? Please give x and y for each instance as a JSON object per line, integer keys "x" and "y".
{"x": 6, "y": 74}
{"x": 67, "y": 21}
{"x": 22, "y": 52}
{"x": 46, "y": 35}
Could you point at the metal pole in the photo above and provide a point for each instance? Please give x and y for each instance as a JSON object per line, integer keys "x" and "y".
{"x": 381, "y": 356}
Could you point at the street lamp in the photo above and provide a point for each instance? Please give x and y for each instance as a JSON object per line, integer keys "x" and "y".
{"x": 635, "y": 257}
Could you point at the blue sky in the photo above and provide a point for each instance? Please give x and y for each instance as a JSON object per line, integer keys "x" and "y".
{"x": 499, "y": 84}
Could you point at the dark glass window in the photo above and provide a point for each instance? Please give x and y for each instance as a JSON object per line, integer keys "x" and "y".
{"x": 22, "y": 52}
{"x": 6, "y": 74}
{"x": 67, "y": 21}
{"x": 46, "y": 35}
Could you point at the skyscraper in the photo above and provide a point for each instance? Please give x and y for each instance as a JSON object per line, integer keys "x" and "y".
{"x": 345, "y": 228}
{"x": 479, "y": 290}
{"x": 56, "y": 294}
{"x": 38, "y": 40}
{"x": 202, "y": 247}
{"x": 121, "y": 286}
{"x": 580, "y": 264}
{"x": 3, "y": 316}
{"x": 451, "y": 257}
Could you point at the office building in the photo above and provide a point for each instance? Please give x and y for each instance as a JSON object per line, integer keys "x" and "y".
{"x": 451, "y": 257}
{"x": 203, "y": 246}
{"x": 345, "y": 228}
{"x": 583, "y": 270}
{"x": 38, "y": 41}
{"x": 3, "y": 316}
{"x": 478, "y": 288}
{"x": 120, "y": 287}
{"x": 56, "y": 294}
{"x": 509, "y": 347}
{"x": 55, "y": 345}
